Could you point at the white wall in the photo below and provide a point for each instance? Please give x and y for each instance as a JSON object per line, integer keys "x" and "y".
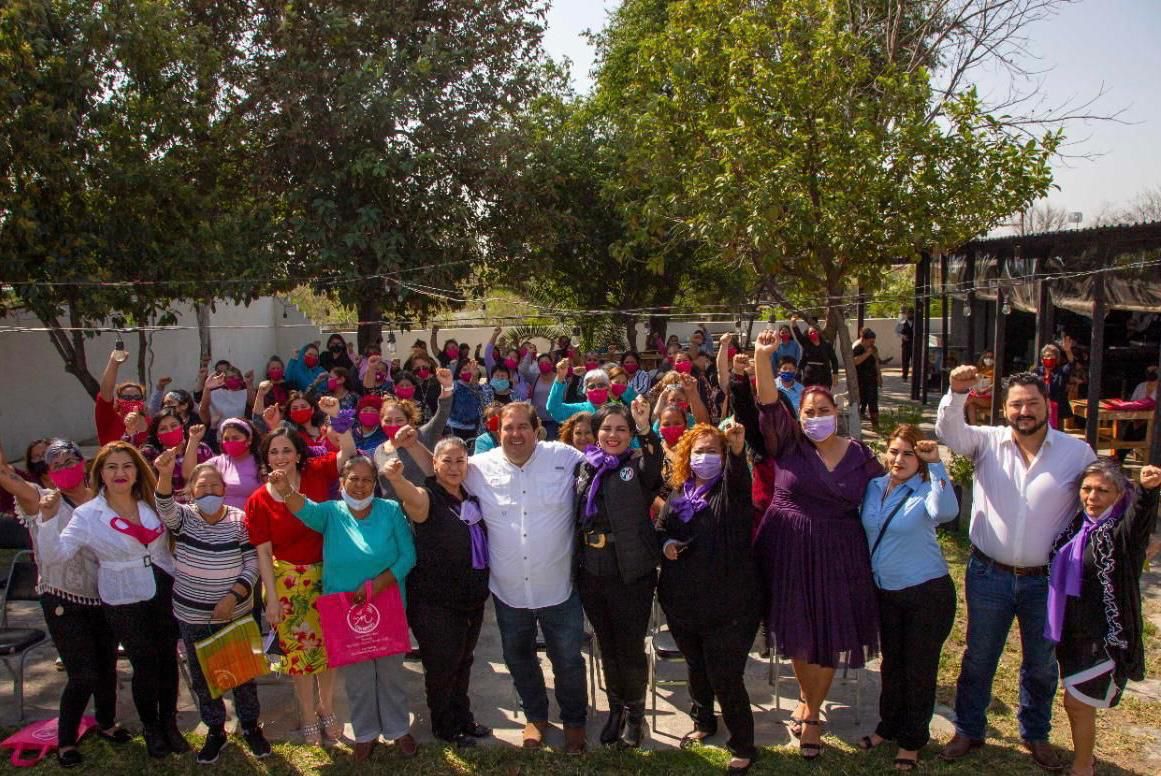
{"x": 38, "y": 398}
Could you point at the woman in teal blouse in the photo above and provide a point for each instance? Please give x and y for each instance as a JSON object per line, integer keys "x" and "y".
{"x": 364, "y": 539}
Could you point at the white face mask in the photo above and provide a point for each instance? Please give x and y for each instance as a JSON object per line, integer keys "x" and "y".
{"x": 989, "y": 361}
{"x": 356, "y": 504}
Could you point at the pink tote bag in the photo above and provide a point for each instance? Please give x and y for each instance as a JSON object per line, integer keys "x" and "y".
{"x": 354, "y": 632}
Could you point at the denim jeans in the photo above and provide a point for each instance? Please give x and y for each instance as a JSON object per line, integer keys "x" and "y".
{"x": 563, "y": 629}
{"x": 994, "y": 597}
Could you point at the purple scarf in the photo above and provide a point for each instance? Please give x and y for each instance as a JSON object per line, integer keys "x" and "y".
{"x": 691, "y": 499}
{"x": 469, "y": 512}
{"x": 603, "y": 463}
{"x": 1067, "y": 572}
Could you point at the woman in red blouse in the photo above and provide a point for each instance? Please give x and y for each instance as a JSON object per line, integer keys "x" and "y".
{"x": 290, "y": 563}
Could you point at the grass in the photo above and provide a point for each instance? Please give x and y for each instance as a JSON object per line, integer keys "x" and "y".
{"x": 1127, "y": 741}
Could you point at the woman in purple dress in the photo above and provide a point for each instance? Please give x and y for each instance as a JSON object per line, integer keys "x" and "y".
{"x": 811, "y": 548}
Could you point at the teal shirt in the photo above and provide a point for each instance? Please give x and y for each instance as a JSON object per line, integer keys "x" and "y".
{"x": 356, "y": 550}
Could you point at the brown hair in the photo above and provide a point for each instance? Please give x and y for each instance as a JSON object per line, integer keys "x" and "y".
{"x": 146, "y": 484}
{"x": 911, "y": 435}
{"x": 680, "y": 470}
{"x": 409, "y": 409}
{"x": 569, "y": 426}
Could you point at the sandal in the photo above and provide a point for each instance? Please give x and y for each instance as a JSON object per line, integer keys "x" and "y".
{"x": 807, "y": 750}
{"x": 906, "y": 764}
{"x": 312, "y": 734}
{"x": 693, "y": 738}
{"x": 866, "y": 743}
{"x": 330, "y": 726}
{"x": 795, "y": 726}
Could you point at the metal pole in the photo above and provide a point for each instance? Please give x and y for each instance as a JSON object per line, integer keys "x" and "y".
{"x": 916, "y": 330}
{"x": 945, "y": 370}
{"x": 926, "y": 327}
{"x": 1096, "y": 360}
{"x": 998, "y": 350}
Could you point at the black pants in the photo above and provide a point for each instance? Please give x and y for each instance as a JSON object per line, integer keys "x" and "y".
{"x": 447, "y": 642}
{"x": 716, "y": 658}
{"x": 88, "y": 650}
{"x": 915, "y": 621}
{"x": 869, "y": 398}
{"x": 148, "y": 631}
{"x": 619, "y": 613}
{"x": 213, "y": 710}
{"x": 905, "y": 355}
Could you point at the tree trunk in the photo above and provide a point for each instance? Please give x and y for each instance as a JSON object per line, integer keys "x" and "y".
{"x": 842, "y": 342}
{"x": 370, "y": 309}
{"x": 202, "y": 311}
{"x": 71, "y": 347}
{"x": 142, "y": 350}
{"x": 631, "y": 332}
{"x": 657, "y": 328}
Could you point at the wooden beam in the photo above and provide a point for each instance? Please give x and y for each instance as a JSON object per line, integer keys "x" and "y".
{"x": 1096, "y": 359}
{"x": 1045, "y": 315}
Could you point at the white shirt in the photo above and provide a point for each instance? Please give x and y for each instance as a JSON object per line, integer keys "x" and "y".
{"x": 124, "y": 575}
{"x": 73, "y": 580}
{"x": 1017, "y": 509}
{"x": 529, "y": 512}
{"x": 1142, "y": 392}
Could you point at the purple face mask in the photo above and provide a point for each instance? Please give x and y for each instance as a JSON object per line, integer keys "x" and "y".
{"x": 820, "y": 428}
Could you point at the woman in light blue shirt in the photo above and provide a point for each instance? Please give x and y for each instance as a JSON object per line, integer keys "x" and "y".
{"x": 916, "y": 595}
{"x": 365, "y": 539}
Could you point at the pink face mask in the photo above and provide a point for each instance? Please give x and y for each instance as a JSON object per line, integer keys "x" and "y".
{"x": 684, "y": 367}
{"x": 70, "y": 477}
{"x": 369, "y": 418}
{"x": 597, "y": 396}
{"x": 630, "y": 367}
{"x": 466, "y": 375}
{"x": 236, "y": 448}
{"x": 125, "y": 406}
{"x": 511, "y": 363}
{"x": 731, "y": 352}
{"x": 404, "y": 391}
{"x": 423, "y": 373}
{"x": 333, "y": 384}
{"x": 671, "y": 434}
{"x": 390, "y": 430}
{"x": 544, "y": 367}
{"x": 171, "y": 438}
{"x": 311, "y": 360}
{"x": 235, "y": 383}
{"x": 591, "y": 365}
{"x": 451, "y": 351}
{"x": 618, "y": 389}
{"x": 274, "y": 373}
{"x": 814, "y": 338}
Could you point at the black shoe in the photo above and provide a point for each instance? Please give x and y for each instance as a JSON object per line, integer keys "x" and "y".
{"x": 259, "y": 746}
{"x": 115, "y": 735}
{"x": 216, "y": 741}
{"x": 476, "y": 730}
{"x": 69, "y": 758}
{"x": 462, "y": 741}
{"x": 614, "y": 725}
{"x": 173, "y": 736}
{"x": 635, "y": 726}
{"x": 155, "y": 742}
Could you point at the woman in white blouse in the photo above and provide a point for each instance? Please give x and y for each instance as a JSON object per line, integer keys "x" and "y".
{"x": 121, "y": 528}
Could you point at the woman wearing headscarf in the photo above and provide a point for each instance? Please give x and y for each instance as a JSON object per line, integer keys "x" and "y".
{"x": 1094, "y": 596}
{"x": 120, "y": 529}
{"x": 338, "y": 353}
{"x": 238, "y": 461}
{"x": 304, "y": 368}
{"x": 448, "y": 588}
{"x": 616, "y": 556}
{"x": 69, "y": 598}
{"x": 708, "y": 587}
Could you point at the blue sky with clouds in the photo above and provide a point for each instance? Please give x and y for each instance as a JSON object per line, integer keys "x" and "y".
{"x": 1114, "y": 45}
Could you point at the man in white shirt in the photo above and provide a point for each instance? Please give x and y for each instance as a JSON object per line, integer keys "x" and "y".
{"x": 1023, "y": 495}
{"x": 525, "y": 489}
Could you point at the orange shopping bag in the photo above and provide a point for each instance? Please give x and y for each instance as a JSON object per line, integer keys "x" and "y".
{"x": 232, "y": 656}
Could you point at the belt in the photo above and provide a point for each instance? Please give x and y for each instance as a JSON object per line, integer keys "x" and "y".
{"x": 597, "y": 540}
{"x": 1020, "y": 571}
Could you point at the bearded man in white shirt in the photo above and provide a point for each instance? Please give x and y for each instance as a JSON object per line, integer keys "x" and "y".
{"x": 525, "y": 489}
{"x": 1022, "y": 497}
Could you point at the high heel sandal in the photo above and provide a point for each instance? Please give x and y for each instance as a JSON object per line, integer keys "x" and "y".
{"x": 866, "y": 743}
{"x": 331, "y": 729}
{"x": 312, "y": 734}
{"x": 807, "y": 750}
{"x": 795, "y": 726}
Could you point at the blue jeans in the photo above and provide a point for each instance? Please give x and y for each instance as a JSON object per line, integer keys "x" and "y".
{"x": 564, "y": 631}
{"x": 994, "y": 597}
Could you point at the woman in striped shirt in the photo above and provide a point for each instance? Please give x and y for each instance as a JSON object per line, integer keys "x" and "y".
{"x": 216, "y": 570}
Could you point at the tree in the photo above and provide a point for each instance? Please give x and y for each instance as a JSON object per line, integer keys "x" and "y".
{"x": 121, "y": 170}
{"x": 806, "y": 138}
{"x": 386, "y": 141}
{"x": 1042, "y": 217}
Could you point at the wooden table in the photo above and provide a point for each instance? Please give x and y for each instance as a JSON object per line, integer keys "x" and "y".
{"x": 1109, "y": 428}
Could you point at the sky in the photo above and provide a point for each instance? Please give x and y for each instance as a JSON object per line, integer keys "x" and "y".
{"x": 1089, "y": 46}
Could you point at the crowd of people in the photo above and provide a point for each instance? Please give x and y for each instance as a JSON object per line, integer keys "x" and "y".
{"x": 567, "y": 487}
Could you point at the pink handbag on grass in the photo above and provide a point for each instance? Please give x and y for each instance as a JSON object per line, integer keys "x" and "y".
{"x": 354, "y": 632}
{"x": 32, "y": 744}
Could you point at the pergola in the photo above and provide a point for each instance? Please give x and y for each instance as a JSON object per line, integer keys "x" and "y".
{"x": 1090, "y": 273}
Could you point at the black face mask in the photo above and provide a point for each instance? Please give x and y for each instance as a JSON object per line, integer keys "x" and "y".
{"x": 39, "y": 468}
{"x": 336, "y": 348}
